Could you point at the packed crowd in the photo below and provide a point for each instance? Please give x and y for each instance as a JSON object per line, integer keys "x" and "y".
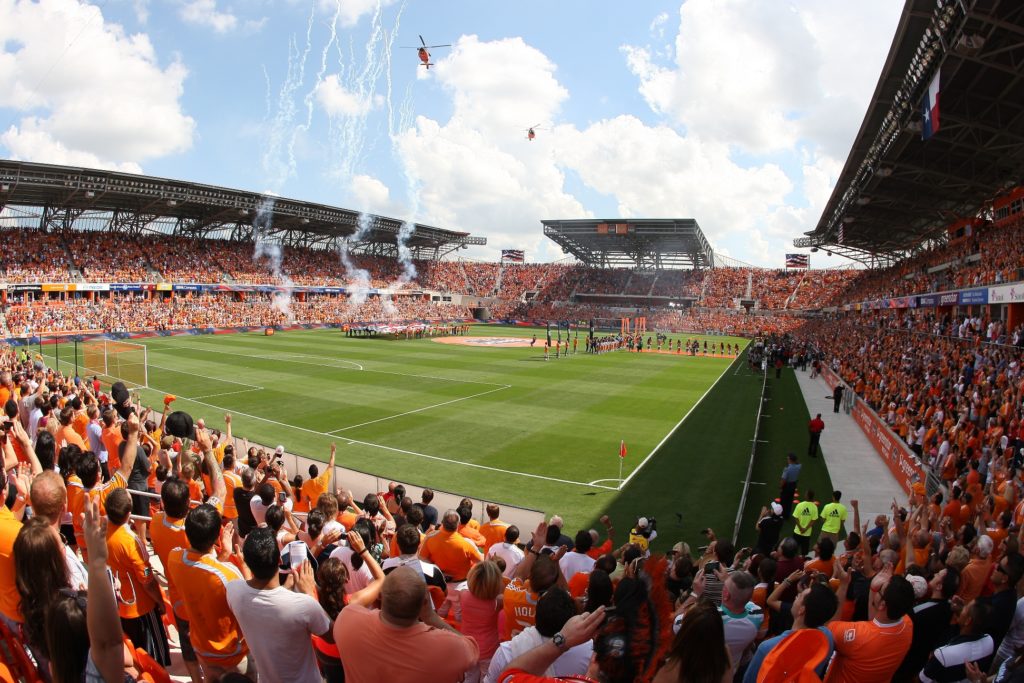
{"x": 129, "y": 314}
{"x": 256, "y": 573}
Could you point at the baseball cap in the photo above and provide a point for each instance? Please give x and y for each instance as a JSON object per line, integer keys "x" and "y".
{"x": 918, "y": 488}
{"x": 179, "y": 424}
{"x": 641, "y": 523}
{"x": 776, "y": 509}
{"x": 279, "y": 450}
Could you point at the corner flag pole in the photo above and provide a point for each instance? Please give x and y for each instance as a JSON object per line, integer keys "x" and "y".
{"x": 622, "y": 456}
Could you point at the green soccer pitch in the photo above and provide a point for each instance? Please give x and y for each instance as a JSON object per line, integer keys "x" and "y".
{"x": 499, "y": 424}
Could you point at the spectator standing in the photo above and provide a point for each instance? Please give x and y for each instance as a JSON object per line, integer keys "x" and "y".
{"x": 833, "y": 516}
{"x": 277, "y": 621}
{"x": 508, "y": 550}
{"x": 814, "y": 430}
{"x": 788, "y": 482}
{"x": 837, "y": 397}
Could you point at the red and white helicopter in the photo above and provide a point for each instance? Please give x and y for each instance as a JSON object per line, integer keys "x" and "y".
{"x": 531, "y": 132}
{"x": 422, "y": 53}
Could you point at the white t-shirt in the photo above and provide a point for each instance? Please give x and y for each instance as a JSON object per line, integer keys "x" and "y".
{"x": 277, "y": 624}
{"x": 259, "y": 510}
{"x": 573, "y": 562}
{"x": 574, "y": 662}
{"x": 509, "y": 552}
{"x": 358, "y": 579}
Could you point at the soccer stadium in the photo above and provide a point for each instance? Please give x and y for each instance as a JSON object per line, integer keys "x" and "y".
{"x": 252, "y": 437}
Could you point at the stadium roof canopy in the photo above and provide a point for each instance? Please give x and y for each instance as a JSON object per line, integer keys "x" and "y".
{"x": 47, "y": 197}
{"x": 641, "y": 243}
{"x": 896, "y": 190}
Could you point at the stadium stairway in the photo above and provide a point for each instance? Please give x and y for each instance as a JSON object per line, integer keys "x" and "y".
{"x": 853, "y": 465}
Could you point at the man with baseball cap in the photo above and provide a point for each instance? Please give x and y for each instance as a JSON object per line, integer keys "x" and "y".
{"x": 769, "y": 527}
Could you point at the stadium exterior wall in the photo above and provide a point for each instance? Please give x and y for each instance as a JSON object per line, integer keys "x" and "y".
{"x": 897, "y": 456}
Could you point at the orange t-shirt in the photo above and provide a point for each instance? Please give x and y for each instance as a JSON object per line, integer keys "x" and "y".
{"x": 76, "y": 501}
{"x": 67, "y": 436}
{"x": 824, "y": 566}
{"x": 578, "y": 584}
{"x": 868, "y": 650}
{"x": 231, "y": 481}
{"x": 127, "y": 559}
{"x": 168, "y": 534}
{"x": 451, "y": 552}
{"x": 10, "y": 600}
{"x": 202, "y": 583}
{"x": 312, "y": 489}
{"x": 111, "y": 438}
{"x": 472, "y": 535}
{"x": 603, "y": 549}
{"x": 520, "y": 606}
{"x": 80, "y": 424}
{"x": 493, "y": 532}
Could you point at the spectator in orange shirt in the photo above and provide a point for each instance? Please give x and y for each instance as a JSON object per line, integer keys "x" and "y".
{"x": 140, "y": 602}
{"x": 471, "y": 534}
{"x": 493, "y": 530}
{"x": 66, "y": 434}
{"x": 450, "y": 550}
{"x": 976, "y": 573}
{"x": 318, "y": 484}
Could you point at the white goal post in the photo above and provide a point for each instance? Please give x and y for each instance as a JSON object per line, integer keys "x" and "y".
{"x": 116, "y": 361}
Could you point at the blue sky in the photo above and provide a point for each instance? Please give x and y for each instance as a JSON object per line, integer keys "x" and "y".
{"x": 738, "y": 113}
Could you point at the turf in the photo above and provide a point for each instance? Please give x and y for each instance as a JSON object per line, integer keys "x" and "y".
{"x": 497, "y": 423}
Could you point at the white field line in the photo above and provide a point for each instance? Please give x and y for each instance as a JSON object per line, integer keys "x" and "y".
{"x": 322, "y": 362}
{"x": 252, "y": 387}
{"x": 223, "y": 393}
{"x": 420, "y": 410}
{"x": 398, "y": 450}
{"x": 678, "y": 424}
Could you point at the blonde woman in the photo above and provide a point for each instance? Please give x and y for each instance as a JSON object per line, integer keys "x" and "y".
{"x": 481, "y": 605}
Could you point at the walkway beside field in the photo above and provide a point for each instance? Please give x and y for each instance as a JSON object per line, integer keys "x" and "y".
{"x": 853, "y": 465}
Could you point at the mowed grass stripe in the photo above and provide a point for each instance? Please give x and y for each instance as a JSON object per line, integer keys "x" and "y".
{"x": 562, "y": 419}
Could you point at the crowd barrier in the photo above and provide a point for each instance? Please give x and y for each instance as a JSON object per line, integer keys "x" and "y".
{"x": 361, "y": 483}
{"x": 894, "y": 452}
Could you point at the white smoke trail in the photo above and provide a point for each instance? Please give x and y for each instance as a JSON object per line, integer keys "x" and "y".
{"x": 408, "y": 229}
{"x": 274, "y": 253}
{"x": 358, "y": 278}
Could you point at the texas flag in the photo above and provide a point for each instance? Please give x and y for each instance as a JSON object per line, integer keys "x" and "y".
{"x": 930, "y": 110}
{"x": 622, "y": 449}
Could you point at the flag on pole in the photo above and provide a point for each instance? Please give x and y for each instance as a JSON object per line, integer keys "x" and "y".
{"x": 930, "y": 110}
{"x": 622, "y": 449}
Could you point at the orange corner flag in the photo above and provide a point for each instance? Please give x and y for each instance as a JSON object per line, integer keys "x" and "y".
{"x": 622, "y": 449}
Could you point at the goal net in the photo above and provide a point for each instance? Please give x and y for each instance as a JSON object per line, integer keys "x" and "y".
{"x": 116, "y": 361}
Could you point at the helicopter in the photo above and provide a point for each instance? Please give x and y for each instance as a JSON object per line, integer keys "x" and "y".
{"x": 422, "y": 53}
{"x": 531, "y": 132}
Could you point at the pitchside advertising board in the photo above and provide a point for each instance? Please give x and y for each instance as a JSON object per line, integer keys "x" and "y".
{"x": 896, "y": 455}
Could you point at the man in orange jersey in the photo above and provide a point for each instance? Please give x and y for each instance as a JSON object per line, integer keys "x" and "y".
{"x": 450, "y": 550}
{"x": 86, "y": 481}
{"x": 66, "y": 434}
{"x": 467, "y": 530}
{"x": 110, "y": 435}
{"x": 140, "y": 601}
{"x": 200, "y": 574}
{"x": 10, "y": 600}
{"x": 168, "y": 532}
{"x": 493, "y": 530}
{"x": 871, "y": 651}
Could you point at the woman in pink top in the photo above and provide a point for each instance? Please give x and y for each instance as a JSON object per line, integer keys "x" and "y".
{"x": 481, "y": 605}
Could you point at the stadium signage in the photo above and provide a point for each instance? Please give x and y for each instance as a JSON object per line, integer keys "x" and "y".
{"x": 125, "y": 287}
{"x": 93, "y": 287}
{"x": 59, "y": 287}
{"x": 948, "y": 299}
{"x": 896, "y": 455}
{"x": 1006, "y": 294}
{"x": 163, "y": 287}
{"x": 927, "y": 300}
{"x": 189, "y": 288}
{"x": 974, "y": 296}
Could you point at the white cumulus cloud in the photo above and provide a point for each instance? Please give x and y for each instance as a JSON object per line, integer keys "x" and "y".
{"x": 88, "y": 92}
{"x": 205, "y": 13}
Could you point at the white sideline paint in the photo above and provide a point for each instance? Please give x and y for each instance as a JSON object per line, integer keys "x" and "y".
{"x": 393, "y": 449}
{"x": 420, "y": 410}
{"x": 673, "y": 430}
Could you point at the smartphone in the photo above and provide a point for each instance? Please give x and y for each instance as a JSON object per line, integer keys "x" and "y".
{"x": 712, "y": 567}
{"x": 282, "y": 497}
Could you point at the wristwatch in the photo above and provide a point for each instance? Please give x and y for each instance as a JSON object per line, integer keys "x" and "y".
{"x": 559, "y": 641}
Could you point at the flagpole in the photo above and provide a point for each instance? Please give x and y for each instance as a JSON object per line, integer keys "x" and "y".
{"x": 620, "y": 469}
